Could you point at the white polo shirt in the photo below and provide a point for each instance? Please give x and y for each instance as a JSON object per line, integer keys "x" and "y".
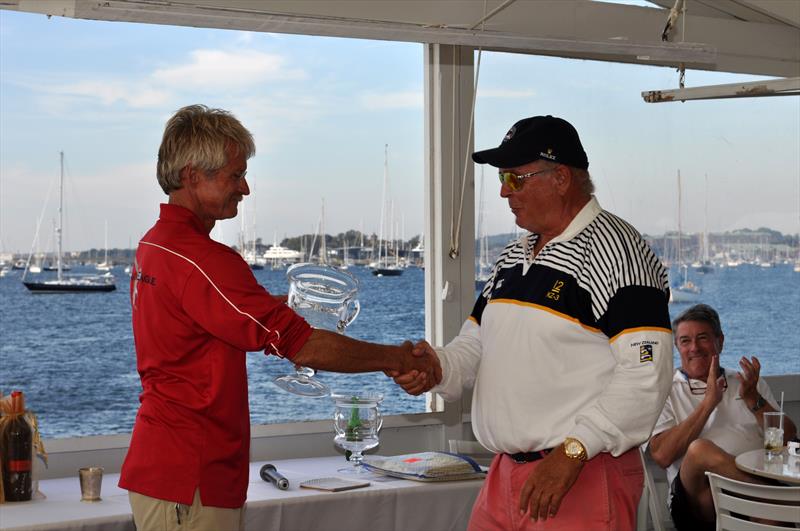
{"x": 731, "y": 426}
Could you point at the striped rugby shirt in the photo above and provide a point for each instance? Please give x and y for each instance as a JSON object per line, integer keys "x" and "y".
{"x": 573, "y": 342}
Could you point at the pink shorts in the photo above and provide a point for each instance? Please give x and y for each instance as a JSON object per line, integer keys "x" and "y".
{"x": 604, "y": 497}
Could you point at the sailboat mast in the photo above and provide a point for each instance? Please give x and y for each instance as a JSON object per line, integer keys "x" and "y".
{"x": 680, "y": 228}
{"x": 60, "y": 213}
{"x": 392, "y": 233}
{"x": 706, "y": 250}
{"x": 381, "y": 243}
{"x": 323, "y": 248}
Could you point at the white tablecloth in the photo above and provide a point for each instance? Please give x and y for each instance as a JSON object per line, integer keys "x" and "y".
{"x": 387, "y": 504}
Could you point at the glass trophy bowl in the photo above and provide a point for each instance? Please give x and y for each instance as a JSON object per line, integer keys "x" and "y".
{"x": 326, "y": 298}
{"x": 357, "y": 421}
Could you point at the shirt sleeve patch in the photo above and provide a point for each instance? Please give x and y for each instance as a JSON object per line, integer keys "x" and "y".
{"x": 645, "y": 353}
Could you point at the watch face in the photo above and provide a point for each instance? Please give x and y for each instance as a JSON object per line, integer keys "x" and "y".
{"x": 573, "y": 448}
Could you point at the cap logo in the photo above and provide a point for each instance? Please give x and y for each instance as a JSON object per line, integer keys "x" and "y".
{"x": 510, "y": 134}
{"x": 549, "y": 155}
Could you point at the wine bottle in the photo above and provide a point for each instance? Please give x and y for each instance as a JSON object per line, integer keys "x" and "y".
{"x": 17, "y": 452}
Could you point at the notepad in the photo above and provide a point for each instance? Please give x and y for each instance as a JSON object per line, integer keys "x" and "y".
{"x": 333, "y": 484}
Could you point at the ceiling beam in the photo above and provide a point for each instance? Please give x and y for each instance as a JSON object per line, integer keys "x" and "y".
{"x": 574, "y": 29}
{"x": 772, "y": 87}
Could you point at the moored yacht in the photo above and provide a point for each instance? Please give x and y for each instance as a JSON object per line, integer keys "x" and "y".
{"x": 69, "y": 283}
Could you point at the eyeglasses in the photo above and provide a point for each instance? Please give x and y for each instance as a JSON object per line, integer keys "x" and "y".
{"x": 515, "y": 181}
{"x": 698, "y": 387}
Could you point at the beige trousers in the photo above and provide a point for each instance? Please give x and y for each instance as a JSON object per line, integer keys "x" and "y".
{"x": 151, "y": 514}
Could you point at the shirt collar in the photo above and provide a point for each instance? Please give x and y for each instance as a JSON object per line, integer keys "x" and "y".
{"x": 179, "y": 214}
{"x": 681, "y": 376}
{"x": 581, "y": 220}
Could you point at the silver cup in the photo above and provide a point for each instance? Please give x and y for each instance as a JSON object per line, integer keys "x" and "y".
{"x": 91, "y": 480}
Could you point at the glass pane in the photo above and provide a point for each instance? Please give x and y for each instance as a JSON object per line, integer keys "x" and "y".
{"x": 321, "y": 111}
{"x": 740, "y": 192}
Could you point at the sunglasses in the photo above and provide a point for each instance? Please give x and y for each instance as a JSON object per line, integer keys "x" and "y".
{"x": 697, "y": 387}
{"x": 515, "y": 181}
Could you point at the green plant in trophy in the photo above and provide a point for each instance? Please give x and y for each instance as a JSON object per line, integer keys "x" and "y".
{"x": 352, "y": 430}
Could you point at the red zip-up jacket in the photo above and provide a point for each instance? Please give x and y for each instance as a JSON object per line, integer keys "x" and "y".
{"x": 197, "y": 310}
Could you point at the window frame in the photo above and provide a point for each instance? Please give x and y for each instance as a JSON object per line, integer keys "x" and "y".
{"x": 449, "y": 293}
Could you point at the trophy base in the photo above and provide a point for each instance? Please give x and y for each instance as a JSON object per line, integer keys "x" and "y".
{"x": 302, "y": 385}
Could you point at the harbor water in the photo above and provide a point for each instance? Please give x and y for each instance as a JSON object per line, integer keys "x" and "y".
{"x": 73, "y": 355}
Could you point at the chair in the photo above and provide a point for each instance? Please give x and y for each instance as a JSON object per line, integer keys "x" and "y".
{"x": 652, "y": 500}
{"x": 734, "y": 499}
{"x": 472, "y": 449}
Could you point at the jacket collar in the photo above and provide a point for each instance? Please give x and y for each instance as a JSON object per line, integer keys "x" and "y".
{"x": 179, "y": 214}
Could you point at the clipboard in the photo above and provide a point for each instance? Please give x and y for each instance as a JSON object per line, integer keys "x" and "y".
{"x": 333, "y": 484}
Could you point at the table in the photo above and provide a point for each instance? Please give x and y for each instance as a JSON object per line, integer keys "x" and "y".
{"x": 784, "y": 467}
{"x": 387, "y": 504}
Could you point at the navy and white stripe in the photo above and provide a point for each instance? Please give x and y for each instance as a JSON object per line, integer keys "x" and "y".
{"x": 607, "y": 255}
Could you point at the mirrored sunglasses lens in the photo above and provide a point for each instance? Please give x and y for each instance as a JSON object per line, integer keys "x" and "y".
{"x": 510, "y": 179}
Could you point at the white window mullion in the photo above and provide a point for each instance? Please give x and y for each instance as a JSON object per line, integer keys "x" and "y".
{"x": 449, "y": 282}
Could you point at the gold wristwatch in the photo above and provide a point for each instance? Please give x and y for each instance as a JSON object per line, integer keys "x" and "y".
{"x": 575, "y": 449}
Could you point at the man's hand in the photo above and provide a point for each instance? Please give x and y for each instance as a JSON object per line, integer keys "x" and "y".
{"x": 715, "y": 384}
{"x": 749, "y": 379}
{"x": 548, "y": 484}
{"x": 415, "y": 382}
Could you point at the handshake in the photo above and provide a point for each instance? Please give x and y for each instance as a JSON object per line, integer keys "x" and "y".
{"x": 420, "y": 369}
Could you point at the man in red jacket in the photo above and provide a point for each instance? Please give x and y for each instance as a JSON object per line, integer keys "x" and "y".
{"x": 197, "y": 311}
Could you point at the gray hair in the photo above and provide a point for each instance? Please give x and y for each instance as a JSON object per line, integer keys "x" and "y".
{"x": 199, "y": 135}
{"x": 702, "y": 313}
{"x": 580, "y": 176}
{"x": 584, "y": 180}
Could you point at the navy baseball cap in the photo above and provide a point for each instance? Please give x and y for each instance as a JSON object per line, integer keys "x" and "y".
{"x": 538, "y": 137}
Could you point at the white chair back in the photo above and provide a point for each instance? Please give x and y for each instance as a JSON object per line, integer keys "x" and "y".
{"x": 651, "y": 499}
{"x": 734, "y": 499}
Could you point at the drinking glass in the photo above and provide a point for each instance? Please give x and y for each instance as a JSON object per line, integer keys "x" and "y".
{"x": 357, "y": 421}
{"x": 773, "y": 433}
{"x": 91, "y": 479}
{"x": 326, "y": 298}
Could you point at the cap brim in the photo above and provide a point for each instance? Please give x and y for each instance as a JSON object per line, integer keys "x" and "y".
{"x": 502, "y": 157}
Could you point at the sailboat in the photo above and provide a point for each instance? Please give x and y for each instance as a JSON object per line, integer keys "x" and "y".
{"x": 105, "y": 265}
{"x": 72, "y": 283}
{"x": 320, "y": 233}
{"x": 483, "y": 269}
{"x": 383, "y": 268}
{"x": 705, "y": 266}
{"x": 687, "y": 291}
{"x": 250, "y": 255}
{"x": 345, "y": 256}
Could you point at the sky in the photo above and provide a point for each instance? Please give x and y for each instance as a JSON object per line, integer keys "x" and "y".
{"x": 321, "y": 111}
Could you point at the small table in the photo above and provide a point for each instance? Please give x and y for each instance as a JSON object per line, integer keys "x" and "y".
{"x": 784, "y": 467}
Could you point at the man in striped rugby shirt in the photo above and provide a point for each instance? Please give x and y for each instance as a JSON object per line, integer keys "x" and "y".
{"x": 568, "y": 347}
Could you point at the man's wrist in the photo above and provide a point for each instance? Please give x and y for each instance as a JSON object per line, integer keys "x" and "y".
{"x": 758, "y": 403}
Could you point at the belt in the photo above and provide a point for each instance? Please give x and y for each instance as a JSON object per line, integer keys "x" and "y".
{"x": 529, "y": 457}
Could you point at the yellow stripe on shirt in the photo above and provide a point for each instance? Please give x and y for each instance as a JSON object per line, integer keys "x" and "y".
{"x": 641, "y": 329}
{"x": 548, "y": 310}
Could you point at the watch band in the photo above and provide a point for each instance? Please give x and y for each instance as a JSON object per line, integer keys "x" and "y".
{"x": 760, "y": 402}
